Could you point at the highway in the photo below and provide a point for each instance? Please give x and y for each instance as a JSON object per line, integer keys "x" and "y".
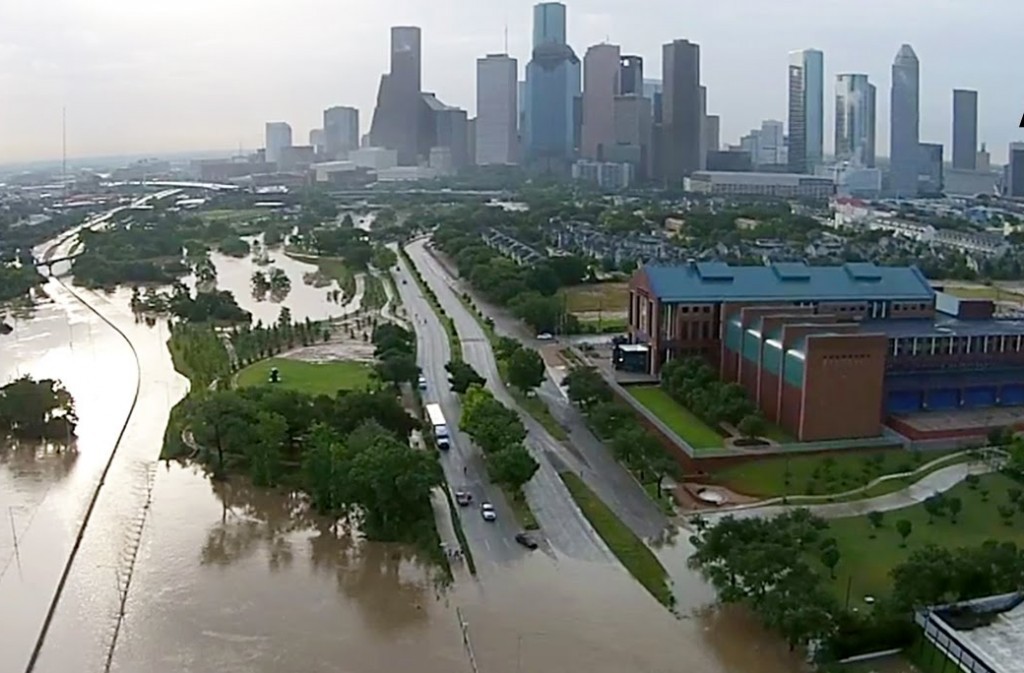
{"x": 589, "y": 456}
{"x": 562, "y": 524}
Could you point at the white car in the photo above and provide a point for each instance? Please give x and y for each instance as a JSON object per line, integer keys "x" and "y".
{"x": 422, "y": 382}
{"x": 487, "y": 512}
{"x": 545, "y": 336}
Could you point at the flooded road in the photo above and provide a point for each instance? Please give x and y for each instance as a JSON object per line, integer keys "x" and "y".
{"x": 228, "y": 578}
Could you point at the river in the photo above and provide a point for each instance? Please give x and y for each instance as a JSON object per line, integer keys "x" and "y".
{"x": 228, "y": 578}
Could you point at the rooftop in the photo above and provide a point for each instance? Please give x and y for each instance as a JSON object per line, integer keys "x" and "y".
{"x": 786, "y": 281}
{"x": 942, "y": 327}
{"x": 998, "y": 645}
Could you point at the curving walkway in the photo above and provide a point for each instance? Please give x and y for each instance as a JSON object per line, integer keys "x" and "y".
{"x": 939, "y": 481}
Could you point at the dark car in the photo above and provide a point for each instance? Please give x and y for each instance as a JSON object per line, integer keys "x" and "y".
{"x": 526, "y": 540}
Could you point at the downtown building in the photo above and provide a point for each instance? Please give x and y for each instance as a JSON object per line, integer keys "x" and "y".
{"x": 601, "y": 79}
{"x": 806, "y": 110}
{"x": 497, "y": 111}
{"x": 396, "y": 118}
{"x": 905, "y": 124}
{"x": 278, "y": 137}
{"x": 681, "y": 126}
{"x": 633, "y": 119}
{"x": 340, "y": 132}
{"x": 553, "y": 105}
{"x": 855, "y": 120}
{"x": 965, "y": 130}
{"x": 1015, "y": 171}
{"x": 878, "y": 343}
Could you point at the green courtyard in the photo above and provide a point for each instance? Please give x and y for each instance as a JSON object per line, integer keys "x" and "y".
{"x": 680, "y": 420}
{"x": 868, "y": 555}
{"x": 309, "y": 377}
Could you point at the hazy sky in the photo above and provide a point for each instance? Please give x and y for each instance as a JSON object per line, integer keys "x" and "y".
{"x": 150, "y": 76}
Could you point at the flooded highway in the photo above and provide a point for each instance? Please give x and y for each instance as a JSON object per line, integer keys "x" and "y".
{"x": 194, "y": 576}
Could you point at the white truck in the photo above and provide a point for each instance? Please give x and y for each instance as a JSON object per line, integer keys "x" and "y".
{"x": 439, "y": 426}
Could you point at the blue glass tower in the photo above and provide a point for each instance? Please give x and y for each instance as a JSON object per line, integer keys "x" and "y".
{"x": 551, "y": 131}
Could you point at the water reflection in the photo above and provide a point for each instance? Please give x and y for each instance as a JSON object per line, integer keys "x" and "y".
{"x": 41, "y": 462}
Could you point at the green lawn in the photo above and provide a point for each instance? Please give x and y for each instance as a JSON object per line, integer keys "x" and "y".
{"x": 521, "y": 508}
{"x": 868, "y": 561}
{"x": 627, "y": 547}
{"x": 233, "y": 216}
{"x": 308, "y": 377}
{"x": 691, "y": 429}
{"x": 596, "y": 297}
{"x": 820, "y": 474}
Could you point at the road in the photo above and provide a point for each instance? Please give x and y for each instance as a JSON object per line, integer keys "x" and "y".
{"x": 588, "y": 454}
{"x": 491, "y": 542}
{"x": 563, "y": 525}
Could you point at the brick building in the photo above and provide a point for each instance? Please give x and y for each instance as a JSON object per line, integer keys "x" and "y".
{"x": 830, "y": 352}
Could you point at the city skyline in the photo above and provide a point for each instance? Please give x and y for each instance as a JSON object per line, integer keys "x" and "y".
{"x": 108, "y": 114}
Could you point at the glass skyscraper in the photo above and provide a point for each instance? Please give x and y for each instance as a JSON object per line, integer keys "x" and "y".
{"x": 552, "y": 91}
{"x": 806, "y": 109}
{"x": 855, "y": 120}
{"x": 965, "y": 129}
{"x": 396, "y": 119}
{"x": 904, "y": 124}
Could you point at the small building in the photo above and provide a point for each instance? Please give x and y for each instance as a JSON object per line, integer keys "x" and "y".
{"x": 982, "y": 636}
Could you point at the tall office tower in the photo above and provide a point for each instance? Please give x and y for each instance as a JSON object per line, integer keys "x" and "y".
{"x": 904, "y": 124}
{"x": 703, "y": 128}
{"x": 712, "y": 133}
{"x": 497, "y": 110}
{"x": 341, "y": 131}
{"x": 806, "y": 109}
{"x": 600, "y": 86}
{"x": 1015, "y": 170}
{"x": 680, "y": 112}
{"x": 633, "y": 118}
{"x": 984, "y": 160}
{"x": 930, "y": 169}
{"x": 965, "y": 129}
{"x": 855, "y": 120}
{"x": 631, "y": 76}
{"x": 553, "y": 92}
{"x": 444, "y": 126}
{"x": 278, "y": 137}
{"x": 522, "y": 92}
{"x": 396, "y": 119}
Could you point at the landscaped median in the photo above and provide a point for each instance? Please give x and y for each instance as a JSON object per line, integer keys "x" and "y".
{"x": 627, "y": 547}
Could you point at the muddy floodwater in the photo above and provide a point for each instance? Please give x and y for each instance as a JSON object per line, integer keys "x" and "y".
{"x": 177, "y": 574}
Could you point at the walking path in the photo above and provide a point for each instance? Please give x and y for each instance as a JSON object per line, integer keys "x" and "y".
{"x": 939, "y": 481}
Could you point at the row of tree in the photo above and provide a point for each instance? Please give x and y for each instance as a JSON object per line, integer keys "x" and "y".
{"x": 395, "y": 351}
{"x": 34, "y": 410}
{"x": 694, "y": 384}
{"x": 499, "y": 433}
{"x": 16, "y": 280}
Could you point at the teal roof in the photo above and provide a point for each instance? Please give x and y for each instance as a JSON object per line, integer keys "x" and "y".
{"x": 790, "y": 281}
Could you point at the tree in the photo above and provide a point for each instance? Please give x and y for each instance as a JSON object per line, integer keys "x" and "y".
{"x": 37, "y": 410}
{"x": 397, "y": 367}
{"x": 264, "y": 453}
{"x": 1013, "y": 494}
{"x": 972, "y": 481}
{"x": 586, "y": 387}
{"x": 512, "y": 466}
{"x": 875, "y": 518}
{"x": 934, "y": 505}
{"x": 904, "y": 528}
{"x": 955, "y": 505}
{"x": 461, "y": 375}
{"x": 751, "y": 426}
{"x": 526, "y": 369}
{"x": 1006, "y": 512}
{"x": 830, "y": 558}
{"x": 491, "y": 424}
{"x": 539, "y": 312}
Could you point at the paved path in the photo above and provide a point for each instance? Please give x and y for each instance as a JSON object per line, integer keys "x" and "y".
{"x": 939, "y": 481}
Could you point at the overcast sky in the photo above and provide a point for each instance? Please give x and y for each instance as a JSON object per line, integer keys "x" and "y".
{"x": 150, "y": 76}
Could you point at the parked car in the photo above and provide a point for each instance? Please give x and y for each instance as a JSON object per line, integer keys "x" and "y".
{"x": 545, "y": 336}
{"x": 422, "y": 382}
{"x": 463, "y": 498}
{"x": 487, "y": 512}
{"x": 526, "y": 540}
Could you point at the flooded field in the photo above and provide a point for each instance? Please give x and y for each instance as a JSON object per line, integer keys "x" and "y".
{"x": 177, "y": 574}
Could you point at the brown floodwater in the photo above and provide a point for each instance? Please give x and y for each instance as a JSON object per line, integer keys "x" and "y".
{"x": 230, "y": 578}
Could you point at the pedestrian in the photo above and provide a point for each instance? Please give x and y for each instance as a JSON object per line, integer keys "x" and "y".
{"x": 465, "y": 469}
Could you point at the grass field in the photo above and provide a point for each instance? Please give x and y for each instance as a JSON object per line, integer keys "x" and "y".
{"x": 627, "y": 547}
{"x": 868, "y": 561}
{"x": 820, "y": 474}
{"x": 308, "y": 377}
{"x": 983, "y": 292}
{"x": 691, "y": 429}
{"x": 597, "y": 297}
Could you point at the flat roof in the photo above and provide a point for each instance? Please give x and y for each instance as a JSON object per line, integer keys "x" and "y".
{"x": 752, "y": 178}
{"x": 943, "y": 326}
{"x": 786, "y": 281}
{"x": 1000, "y": 644}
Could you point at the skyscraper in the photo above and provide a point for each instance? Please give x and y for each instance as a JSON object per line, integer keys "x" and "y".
{"x": 631, "y": 76}
{"x": 396, "y": 119}
{"x": 278, "y": 137}
{"x": 806, "y": 109}
{"x": 341, "y": 131}
{"x": 497, "y": 110}
{"x": 681, "y": 112}
{"x": 904, "y": 124}
{"x": 600, "y": 84}
{"x": 965, "y": 129}
{"x": 553, "y": 92}
{"x": 855, "y": 120}
{"x": 633, "y": 120}
{"x": 1015, "y": 170}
